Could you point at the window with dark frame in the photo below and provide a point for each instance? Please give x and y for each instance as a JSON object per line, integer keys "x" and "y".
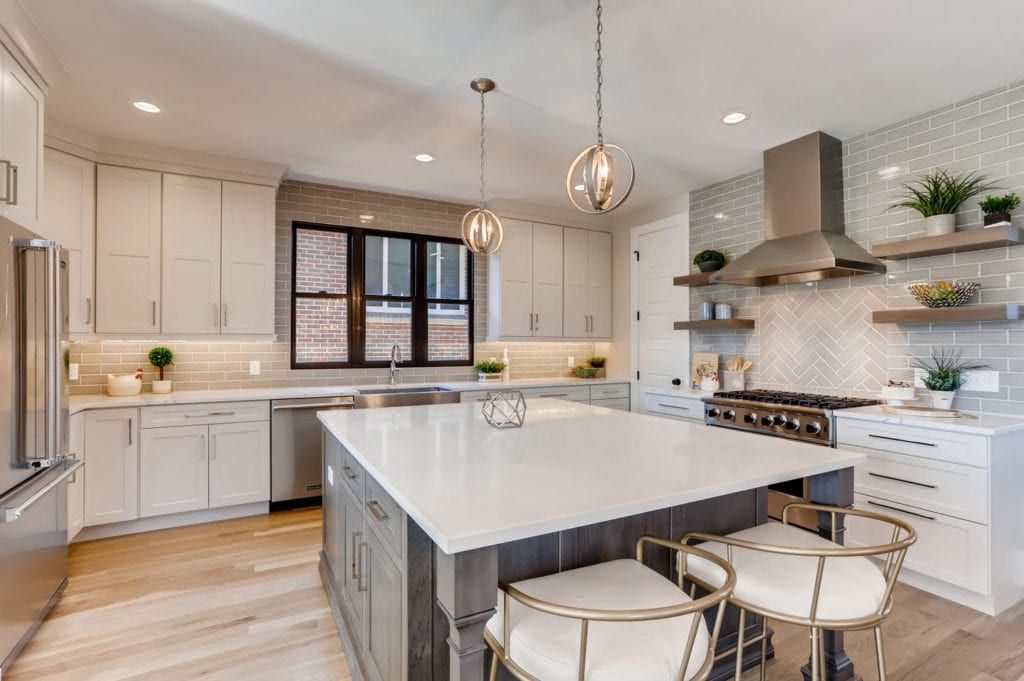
{"x": 358, "y": 292}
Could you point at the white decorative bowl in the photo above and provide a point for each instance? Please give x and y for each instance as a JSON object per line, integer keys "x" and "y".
{"x": 123, "y": 386}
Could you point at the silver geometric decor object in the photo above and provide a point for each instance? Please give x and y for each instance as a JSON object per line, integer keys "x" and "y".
{"x": 504, "y": 408}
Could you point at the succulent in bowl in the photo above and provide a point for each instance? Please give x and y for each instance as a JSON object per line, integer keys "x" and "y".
{"x": 943, "y": 293}
{"x": 582, "y": 371}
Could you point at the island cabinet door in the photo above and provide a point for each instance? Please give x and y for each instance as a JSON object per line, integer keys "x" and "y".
{"x": 384, "y": 613}
{"x": 173, "y": 473}
{"x": 353, "y": 582}
{"x": 334, "y": 540}
{"x": 239, "y": 463}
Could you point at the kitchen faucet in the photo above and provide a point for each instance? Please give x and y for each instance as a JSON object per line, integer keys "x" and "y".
{"x": 396, "y": 356}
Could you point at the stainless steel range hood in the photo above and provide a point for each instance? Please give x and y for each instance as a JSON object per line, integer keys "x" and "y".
{"x": 803, "y": 203}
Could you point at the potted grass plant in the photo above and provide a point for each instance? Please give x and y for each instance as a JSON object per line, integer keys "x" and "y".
{"x": 945, "y": 373}
{"x": 997, "y": 208}
{"x": 937, "y": 195}
{"x": 489, "y": 370}
{"x": 161, "y": 358}
{"x": 709, "y": 261}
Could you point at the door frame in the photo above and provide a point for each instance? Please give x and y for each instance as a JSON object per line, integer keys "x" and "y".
{"x": 680, "y": 220}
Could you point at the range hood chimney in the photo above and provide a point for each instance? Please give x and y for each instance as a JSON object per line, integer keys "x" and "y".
{"x": 803, "y": 203}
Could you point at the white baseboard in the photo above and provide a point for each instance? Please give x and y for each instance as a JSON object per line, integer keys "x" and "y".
{"x": 971, "y": 599}
{"x": 163, "y": 522}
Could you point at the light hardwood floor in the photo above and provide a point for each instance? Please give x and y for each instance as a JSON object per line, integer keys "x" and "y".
{"x": 242, "y": 600}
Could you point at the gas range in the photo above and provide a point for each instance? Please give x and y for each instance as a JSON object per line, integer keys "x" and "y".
{"x": 798, "y": 416}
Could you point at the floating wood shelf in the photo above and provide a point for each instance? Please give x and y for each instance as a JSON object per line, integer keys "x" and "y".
{"x": 994, "y": 312}
{"x": 712, "y": 324}
{"x": 704, "y": 279}
{"x": 957, "y": 242}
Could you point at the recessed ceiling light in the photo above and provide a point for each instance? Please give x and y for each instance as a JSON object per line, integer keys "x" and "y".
{"x": 424, "y": 158}
{"x": 580, "y": 187}
{"x": 734, "y": 117}
{"x": 146, "y": 106}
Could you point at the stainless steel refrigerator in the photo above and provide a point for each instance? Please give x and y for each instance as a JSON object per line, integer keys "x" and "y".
{"x": 34, "y": 461}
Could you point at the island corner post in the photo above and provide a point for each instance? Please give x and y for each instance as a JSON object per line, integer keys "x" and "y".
{"x": 466, "y": 584}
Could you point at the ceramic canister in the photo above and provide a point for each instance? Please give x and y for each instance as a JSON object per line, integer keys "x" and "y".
{"x": 723, "y": 311}
{"x": 706, "y": 311}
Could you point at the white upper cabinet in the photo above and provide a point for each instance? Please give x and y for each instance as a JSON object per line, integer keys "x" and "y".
{"x": 510, "y": 274}
{"x": 599, "y": 284}
{"x": 191, "y": 254}
{"x": 128, "y": 220}
{"x": 247, "y": 259}
{"x": 69, "y": 218}
{"x": 576, "y": 319}
{"x": 547, "y": 281}
{"x": 21, "y": 145}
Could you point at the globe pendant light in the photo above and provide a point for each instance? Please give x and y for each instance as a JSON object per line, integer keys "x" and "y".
{"x": 481, "y": 229}
{"x": 592, "y": 173}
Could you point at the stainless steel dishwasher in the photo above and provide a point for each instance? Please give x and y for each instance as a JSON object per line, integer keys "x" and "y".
{"x": 297, "y": 449}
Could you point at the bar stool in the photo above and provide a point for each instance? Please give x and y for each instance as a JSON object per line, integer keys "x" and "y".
{"x": 788, "y": 574}
{"x": 614, "y": 621}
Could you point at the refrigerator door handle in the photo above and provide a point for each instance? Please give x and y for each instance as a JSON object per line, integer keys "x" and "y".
{"x": 8, "y": 514}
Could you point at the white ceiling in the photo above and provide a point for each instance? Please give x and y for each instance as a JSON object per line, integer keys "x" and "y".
{"x": 348, "y": 91}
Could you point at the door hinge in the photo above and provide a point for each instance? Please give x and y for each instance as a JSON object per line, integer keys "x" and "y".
{"x": 637, "y": 254}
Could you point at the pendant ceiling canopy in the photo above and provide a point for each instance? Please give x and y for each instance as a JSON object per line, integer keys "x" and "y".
{"x": 481, "y": 229}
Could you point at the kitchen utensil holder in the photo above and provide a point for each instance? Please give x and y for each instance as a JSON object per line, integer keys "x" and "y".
{"x": 734, "y": 380}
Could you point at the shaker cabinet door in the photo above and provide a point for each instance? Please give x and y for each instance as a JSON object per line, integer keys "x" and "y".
{"x": 576, "y": 317}
{"x": 112, "y": 457}
{"x": 384, "y": 612}
{"x": 247, "y": 260}
{"x": 239, "y": 463}
{"x": 599, "y": 283}
{"x": 515, "y": 269}
{"x": 22, "y": 144}
{"x": 173, "y": 470}
{"x": 547, "y": 280}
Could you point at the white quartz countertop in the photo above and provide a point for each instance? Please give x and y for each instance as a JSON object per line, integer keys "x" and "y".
{"x": 79, "y": 403}
{"x": 469, "y": 485}
{"x": 976, "y": 423}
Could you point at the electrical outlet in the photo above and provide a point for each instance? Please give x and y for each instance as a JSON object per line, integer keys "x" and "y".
{"x": 72, "y": 372}
{"x": 982, "y": 381}
{"x": 572, "y": 362}
{"x": 254, "y": 367}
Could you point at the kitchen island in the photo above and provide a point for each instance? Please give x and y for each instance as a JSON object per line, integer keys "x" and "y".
{"x": 427, "y": 508}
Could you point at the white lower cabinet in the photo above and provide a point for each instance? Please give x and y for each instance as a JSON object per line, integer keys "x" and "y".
{"x": 239, "y": 463}
{"x": 674, "y": 406}
{"x": 173, "y": 470}
{"x": 112, "y": 457}
{"x": 76, "y": 483}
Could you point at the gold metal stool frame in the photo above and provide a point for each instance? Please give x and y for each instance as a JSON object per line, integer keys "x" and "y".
{"x": 694, "y": 607}
{"x": 903, "y": 536}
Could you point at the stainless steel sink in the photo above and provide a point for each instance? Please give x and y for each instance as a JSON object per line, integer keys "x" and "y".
{"x": 404, "y": 397}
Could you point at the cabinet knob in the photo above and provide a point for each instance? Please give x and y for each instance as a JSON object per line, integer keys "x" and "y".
{"x": 676, "y": 381}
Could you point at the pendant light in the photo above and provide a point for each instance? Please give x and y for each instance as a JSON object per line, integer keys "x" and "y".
{"x": 481, "y": 229}
{"x": 592, "y": 173}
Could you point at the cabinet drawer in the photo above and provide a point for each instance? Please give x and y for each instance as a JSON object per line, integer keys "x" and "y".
{"x": 572, "y": 393}
{"x": 676, "y": 407}
{"x": 353, "y": 473}
{"x": 970, "y": 450}
{"x": 608, "y": 391}
{"x": 620, "y": 403}
{"x": 953, "y": 550}
{"x": 201, "y": 414}
{"x": 385, "y": 515}
{"x": 948, "y": 488}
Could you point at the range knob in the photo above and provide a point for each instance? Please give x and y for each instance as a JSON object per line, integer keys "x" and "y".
{"x": 750, "y": 417}
{"x": 793, "y": 424}
{"x": 768, "y": 421}
{"x": 813, "y": 427}
{"x": 714, "y": 412}
{"x": 729, "y": 415}
{"x": 781, "y": 420}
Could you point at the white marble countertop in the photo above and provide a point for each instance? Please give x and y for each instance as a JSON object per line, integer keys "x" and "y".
{"x": 469, "y": 485}
{"x": 975, "y": 423}
{"x": 79, "y": 403}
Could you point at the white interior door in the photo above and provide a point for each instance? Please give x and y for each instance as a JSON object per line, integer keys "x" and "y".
{"x": 247, "y": 261}
{"x": 173, "y": 471}
{"x": 69, "y": 218}
{"x": 515, "y": 268}
{"x": 599, "y": 283}
{"x": 547, "y": 280}
{"x": 576, "y": 317}
{"x": 127, "y": 250}
{"x": 663, "y": 354}
{"x": 191, "y": 255}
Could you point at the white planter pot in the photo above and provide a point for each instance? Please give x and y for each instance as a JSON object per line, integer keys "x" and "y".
{"x": 943, "y": 399}
{"x": 940, "y": 224}
{"x": 161, "y": 387}
{"x": 488, "y": 378}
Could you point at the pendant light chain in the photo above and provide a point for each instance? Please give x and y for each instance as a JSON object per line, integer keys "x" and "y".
{"x": 482, "y": 147}
{"x": 600, "y": 76}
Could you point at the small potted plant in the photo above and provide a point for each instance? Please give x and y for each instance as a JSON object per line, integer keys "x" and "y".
{"x": 598, "y": 363}
{"x": 161, "y": 357}
{"x": 945, "y": 373}
{"x": 937, "y": 195}
{"x": 489, "y": 370}
{"x": 709, "y": 261}
{"x": 997, "y": 208}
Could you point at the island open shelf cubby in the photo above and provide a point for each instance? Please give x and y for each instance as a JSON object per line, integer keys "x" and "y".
{"x": 992, "y": 312}
{"x": 957, "y": 242}
{"x": 714, "y": 324}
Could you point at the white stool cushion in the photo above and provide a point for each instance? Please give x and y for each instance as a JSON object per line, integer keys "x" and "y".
{"x": 547, "y": 646}
{"x": 851, "y": 587}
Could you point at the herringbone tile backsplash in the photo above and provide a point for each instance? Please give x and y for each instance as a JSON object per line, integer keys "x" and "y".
{"x": 820, "y": 337}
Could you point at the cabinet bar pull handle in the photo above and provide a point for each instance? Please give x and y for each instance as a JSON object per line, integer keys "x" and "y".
{"x": 672, "y": 406}
{"x": 225, "y": 307}
{"x": 536, "y": 324}
{"x": 355, "y": 553}
{"x": 154, "y": 312}
{"x": 349, "y": 473}
{"x": 130, "y": 428}
{"x": 899, "y": 439}
{"x": 88, "y": 310}
{"x": 531, "y": 321}
{"x": 555, "y": 395}
{"x": 901, "y": 510}
{"x": 377, "y": 510}
{"x": 202, "y": 452}
{"x": 6, "y": 198}
{"x": 14, "y": 184}
{"x": 362, "y": 564}
{"x": 909, "y": 482}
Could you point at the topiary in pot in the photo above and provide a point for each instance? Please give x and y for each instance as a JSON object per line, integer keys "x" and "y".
{"x": 945, "y": 374}
{"x": 937, "y": 195}
{"x": 161, "y": 357}
{"x": 709, "y": 261}
{"x": 997, "y": 208}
